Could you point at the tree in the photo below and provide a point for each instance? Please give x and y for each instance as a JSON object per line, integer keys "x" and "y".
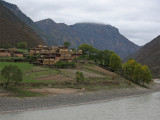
{"x": 73, "y": 49}
{"x": 11, "y": 73}
{"x": 115, "y": 62}
{"x": 128, "y": 68}
{"x": 136, "y": 72}
{"x": 7, "y": 46}
{"x": 22, "y": 45}
{"x": 87, "y": 49}
{"x": 146, "y": 75}
{"x": 32, "y": 59}
{"x": 67, "y": 44}
{"x": 79, "y": 77}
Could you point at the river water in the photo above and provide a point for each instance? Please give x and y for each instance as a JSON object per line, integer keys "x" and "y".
{"x": 143, "y": 107}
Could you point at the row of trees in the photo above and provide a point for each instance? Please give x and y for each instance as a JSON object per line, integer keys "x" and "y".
{"x": 131, "y": 70}
{"x": 20, "y": 45}
{"x": 104, "y": 58}
{"x": 136, "y": 72}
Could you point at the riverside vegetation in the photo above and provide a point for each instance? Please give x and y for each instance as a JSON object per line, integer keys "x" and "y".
{"x": 94, "y": 70}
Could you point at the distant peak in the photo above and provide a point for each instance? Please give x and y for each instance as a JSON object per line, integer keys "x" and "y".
{"x": 89, "y": 23}
{"x": 48, "y": 20}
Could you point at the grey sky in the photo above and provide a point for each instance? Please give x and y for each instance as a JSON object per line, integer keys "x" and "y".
{"x": 138, "y": 20}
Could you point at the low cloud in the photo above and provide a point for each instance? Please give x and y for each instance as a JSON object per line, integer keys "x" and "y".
{"x": 138, "y": 20}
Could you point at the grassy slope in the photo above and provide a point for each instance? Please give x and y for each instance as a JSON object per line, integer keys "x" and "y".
{"x": 30, "y": 72}
{"x": 92, "y": 83}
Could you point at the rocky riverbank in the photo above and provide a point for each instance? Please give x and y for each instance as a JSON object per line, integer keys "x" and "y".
{"x": 11, "y": 104}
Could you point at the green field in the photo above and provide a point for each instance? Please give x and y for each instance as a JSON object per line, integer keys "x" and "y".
{"x": 40, "y": 77}
{"x": 31, "y": 72}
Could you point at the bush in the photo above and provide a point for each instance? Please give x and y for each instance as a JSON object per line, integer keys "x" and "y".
{"x": 79, "y": 77}
{"x": 11, "y": 73}
{"x": 32, "y": 59}
{"x": 62, "y": 64}
{"x": 67, "y": 44}
{"x": 22, "y": 45}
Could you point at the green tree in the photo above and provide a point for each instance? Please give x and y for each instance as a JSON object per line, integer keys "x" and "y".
{"x": 128, "y": 69}
{"x": 7, "y": 46}
{"x": 73, "y": 49}
{"x": 115, "y": 62}
{"x": 146, "y": 76}
{"x": 11, "y": 73}
{"x": 136, "y": 72}
{"x": 79, "y": 77}
{"x": 22, "y": 45}
{"x": 87, "y": 49}
{"x": 67, "y": 44}
{"x": 32, "y": 59}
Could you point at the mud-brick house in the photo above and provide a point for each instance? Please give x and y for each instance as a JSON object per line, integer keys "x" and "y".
{"x": 50, "y": 56}
{"x": 4, "y": 53}
{"x": 10, "y": 53}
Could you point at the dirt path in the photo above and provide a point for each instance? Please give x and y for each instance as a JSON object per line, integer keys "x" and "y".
{"x": 55, "y": 91}
{"x": 99, "y": 69}
{"x": 56, "y": 78}
{"x": 72, "y": 72}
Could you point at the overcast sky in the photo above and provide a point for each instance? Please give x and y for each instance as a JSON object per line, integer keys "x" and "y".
{"x": 138, "y": 20}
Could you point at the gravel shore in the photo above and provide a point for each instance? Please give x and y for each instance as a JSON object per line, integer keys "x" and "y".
{"x": 11, "y": 104}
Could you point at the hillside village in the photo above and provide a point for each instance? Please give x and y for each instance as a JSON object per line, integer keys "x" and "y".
{"x": 98, "y": 64}
{"x": 47, "y": 55}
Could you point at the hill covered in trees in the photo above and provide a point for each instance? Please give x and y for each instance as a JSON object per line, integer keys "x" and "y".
{"x": 13, "y": 30}
{"x": 149, "y": 55}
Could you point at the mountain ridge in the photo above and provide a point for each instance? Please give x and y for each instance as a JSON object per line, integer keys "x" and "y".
{"x": 13, "y": 30}
{"x": 149, "y": 55}
{"x": 101, "y": 36}
{"x": 27, "y": 20}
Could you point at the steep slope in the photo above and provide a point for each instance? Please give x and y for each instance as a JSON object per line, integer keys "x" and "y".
{"x": 149, "y": 55}
{"x": 26, "y": 20}
{"x": 59, "y": 32}
{"x": 104, "y": 37}
{"x": 13, "y": 30}
{"x": 99, "y": 35}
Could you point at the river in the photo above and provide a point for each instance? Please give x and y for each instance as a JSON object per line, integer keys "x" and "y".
{"x": 143, "y": 107}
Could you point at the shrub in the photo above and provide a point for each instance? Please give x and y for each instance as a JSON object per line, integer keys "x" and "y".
{"x": 79, "y": 77}
{"x": 31, "y": 59}
{"x": 11, "y": 73}
{"x": 67, "y": 44}
{"x": 62, "y": 64}
{"x": 22, "y": 45}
